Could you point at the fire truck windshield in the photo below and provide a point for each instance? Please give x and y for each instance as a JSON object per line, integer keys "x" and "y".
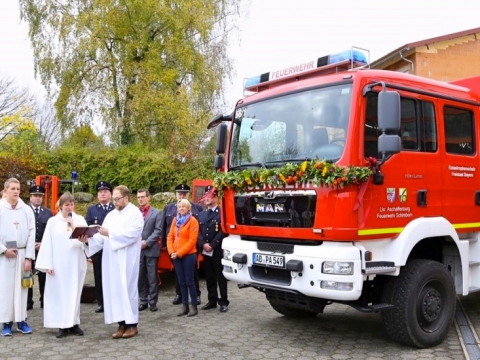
{"x": 294, "y": 127}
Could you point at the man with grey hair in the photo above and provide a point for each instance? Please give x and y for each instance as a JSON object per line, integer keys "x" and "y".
{"x": 17, "y": 250}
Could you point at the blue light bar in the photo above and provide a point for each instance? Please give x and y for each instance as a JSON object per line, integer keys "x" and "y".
{"x": 354, "y": 56}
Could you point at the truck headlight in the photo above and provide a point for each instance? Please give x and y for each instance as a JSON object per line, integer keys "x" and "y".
{"x": 227, "y": 255}
{"x": 337, "y": 267}
{"x": 335, "y": 285}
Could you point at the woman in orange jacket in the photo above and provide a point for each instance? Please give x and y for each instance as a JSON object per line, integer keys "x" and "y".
{"x": 182, "y": 247}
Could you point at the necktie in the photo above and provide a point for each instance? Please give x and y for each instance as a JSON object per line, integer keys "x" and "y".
{"x": 105, "y": 207}
{"x": 36, "y": 211}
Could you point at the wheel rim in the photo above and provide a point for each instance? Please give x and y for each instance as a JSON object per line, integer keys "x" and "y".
{"x": 431, "y": 305}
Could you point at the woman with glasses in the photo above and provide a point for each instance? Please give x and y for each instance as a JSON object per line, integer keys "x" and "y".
{"x": 182, "y": 247}
{"x": 64, "y": 261}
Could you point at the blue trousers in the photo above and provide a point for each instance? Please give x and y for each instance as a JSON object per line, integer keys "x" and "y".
{"x": 185, "y": 269}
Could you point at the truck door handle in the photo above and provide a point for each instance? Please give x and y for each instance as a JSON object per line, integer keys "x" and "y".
{"x": 422, "y": 198}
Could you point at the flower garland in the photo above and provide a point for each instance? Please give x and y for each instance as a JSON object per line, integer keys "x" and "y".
{"x": 318, "y": 172}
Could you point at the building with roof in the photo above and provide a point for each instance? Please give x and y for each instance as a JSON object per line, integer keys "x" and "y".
{"x": 446, "y": 58}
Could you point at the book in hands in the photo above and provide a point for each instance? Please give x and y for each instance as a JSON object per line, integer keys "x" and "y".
{"x": 84, "y": 230}
{"x": 11, "y": 244}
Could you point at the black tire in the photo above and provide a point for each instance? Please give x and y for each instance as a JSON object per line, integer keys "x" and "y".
{"x": 424, "y": 299}
{"x": 291, "y": 312}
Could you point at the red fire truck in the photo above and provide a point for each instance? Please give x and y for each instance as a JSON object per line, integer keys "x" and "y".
{"x": 356, "y": 186}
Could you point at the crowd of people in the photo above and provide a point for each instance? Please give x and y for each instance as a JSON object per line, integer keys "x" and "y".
{"x": 124, "y": 250}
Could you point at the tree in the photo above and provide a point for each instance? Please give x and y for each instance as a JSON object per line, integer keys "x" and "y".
{"x": 150, "y": 70}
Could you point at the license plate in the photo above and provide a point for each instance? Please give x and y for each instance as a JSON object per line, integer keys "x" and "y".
{"x": 269, "y": 260}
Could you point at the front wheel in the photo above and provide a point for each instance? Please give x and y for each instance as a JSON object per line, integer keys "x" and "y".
{"x": 424, "y": 299}
{"x": 293, "y": 312}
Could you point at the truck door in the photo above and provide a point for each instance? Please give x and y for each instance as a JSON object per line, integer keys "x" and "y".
{"x": 460, "y": 163}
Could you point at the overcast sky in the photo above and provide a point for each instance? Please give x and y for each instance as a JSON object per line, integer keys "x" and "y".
{"x": 281, "y": 33}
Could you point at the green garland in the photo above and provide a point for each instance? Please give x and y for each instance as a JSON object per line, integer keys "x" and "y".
{"x": 319, "y": 172}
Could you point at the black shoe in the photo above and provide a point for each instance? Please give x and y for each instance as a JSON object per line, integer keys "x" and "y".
{"x": 30, "y": 306}
{"x": 99, "y": 309}
{"x": 198, "y": 300}
{"x": 177, "y": 300}
{"x": 61, "y": 333}
{"x": 209, "y": 305}
{"x": 223, "y": 308}
{"x": 75, "y": 330}
{"x": 153, "y": 308}
{"x": 142, "y": 307}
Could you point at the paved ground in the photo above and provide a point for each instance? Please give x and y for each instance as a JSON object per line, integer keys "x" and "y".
{"x": 249, "y": 330}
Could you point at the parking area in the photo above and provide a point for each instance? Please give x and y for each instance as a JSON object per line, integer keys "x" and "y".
{"x": 251, "y": 329}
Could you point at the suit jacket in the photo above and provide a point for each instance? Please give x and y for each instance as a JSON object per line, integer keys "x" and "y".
{"x": 169, "y": 213}
{"x": 152, "y": 229}
{"x": 41, "y": 221}
{"x": 96, "y": 213}
{"x": 210, "y": 231}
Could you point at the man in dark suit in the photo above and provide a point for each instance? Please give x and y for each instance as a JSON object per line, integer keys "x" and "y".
{"x": 95, "y": 215}
{"x": 42, "y": 214}
{"x": 152, "y": 229}
{"x": 169, "y": 213}
{"x": 210, "y": 239}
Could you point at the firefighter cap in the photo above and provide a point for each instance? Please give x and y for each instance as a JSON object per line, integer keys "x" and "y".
{"x": 182, "y": 188}
{"x": 210, "y": 190}
{"x": 37, "y": 189}
{"x": 103, "y": 185}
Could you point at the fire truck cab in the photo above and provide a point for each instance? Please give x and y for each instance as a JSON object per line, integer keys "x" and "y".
{"x": 404, "y": 242}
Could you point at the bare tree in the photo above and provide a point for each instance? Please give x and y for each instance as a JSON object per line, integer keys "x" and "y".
{"x": 48, "y": 125}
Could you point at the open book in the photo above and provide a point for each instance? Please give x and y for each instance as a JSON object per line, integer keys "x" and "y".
{"x": 84, "y": 230}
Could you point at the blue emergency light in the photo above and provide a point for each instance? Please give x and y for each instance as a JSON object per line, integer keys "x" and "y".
{"x": 354, "y": 56}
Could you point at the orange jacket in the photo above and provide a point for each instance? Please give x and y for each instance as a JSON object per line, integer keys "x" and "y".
{"x": 186, "y": 241}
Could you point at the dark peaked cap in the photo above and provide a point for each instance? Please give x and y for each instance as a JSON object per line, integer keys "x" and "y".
{"x": 103, "y": 185}
{"x": 182, "y": 188}
{"x": 37, "y": 189}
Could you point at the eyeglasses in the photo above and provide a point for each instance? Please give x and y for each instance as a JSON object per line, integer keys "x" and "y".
{"x": 117, "y": 199}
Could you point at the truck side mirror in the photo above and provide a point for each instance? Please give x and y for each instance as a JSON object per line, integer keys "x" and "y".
{"x": 219, "y": 162}
{"x": 389, "y": 111}
{"x": 221, "y": 144}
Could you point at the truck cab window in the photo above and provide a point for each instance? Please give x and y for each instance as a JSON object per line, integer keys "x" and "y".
{"x": 458, "y": 130}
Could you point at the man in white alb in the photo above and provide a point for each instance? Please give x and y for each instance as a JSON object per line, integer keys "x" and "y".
{"x": 120, "y": 238}
{"x": 17, "y": 249}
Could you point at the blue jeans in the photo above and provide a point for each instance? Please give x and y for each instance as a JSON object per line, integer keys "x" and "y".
{"x": 184, "y": 268}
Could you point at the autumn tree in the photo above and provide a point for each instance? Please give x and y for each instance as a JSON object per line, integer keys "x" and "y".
{"x": 150, "y": 70}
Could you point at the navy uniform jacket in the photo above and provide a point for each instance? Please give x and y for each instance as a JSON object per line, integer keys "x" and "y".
{"x": 169, "y": 213}
{"x": 41, "y": 221}
{"x": 96, "y": 214}
{"x": 210, "y": 231}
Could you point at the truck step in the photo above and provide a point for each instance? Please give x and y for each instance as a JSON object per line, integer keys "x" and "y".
{"x": 473, "y": 263}
{"x": 370, "y": 308}
{"x": 470, "y": 240}
{"x": 472, "y": 289}
{"x": 380, "y": 270}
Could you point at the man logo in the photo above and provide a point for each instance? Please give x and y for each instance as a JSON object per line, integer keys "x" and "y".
{"x": 402, "y": 194}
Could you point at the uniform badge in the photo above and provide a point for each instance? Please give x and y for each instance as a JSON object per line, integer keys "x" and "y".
{"x": 402, "y": 194}
{"x": 390, "y": 195}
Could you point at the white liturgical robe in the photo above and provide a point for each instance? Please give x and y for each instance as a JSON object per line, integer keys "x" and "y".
{"x": 120, "y": 263}
{"x": 15, "y": 225}
{"x": 66, "y": 257}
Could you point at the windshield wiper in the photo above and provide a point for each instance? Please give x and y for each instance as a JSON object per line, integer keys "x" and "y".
{"x": 253, "y": 164}
{"x": 293, "y": 160}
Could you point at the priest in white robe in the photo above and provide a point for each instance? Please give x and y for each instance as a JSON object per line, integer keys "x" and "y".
{"x": 64, "y": 261}
{"x": 120, "y": 238}
{"x": 17, "y": 249}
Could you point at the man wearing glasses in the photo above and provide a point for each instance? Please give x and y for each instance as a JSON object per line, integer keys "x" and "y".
{"x": 120, "y": 237}
{"x": 95, "y": 216}
{"x": 147, "y": 281}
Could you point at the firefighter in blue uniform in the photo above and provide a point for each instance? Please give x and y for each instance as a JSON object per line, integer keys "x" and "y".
{"x": 95, "y": 215}
{"x": 42, "y": 214}
{"x": 169, "y": 213}
{"x": 210, "y": 239}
